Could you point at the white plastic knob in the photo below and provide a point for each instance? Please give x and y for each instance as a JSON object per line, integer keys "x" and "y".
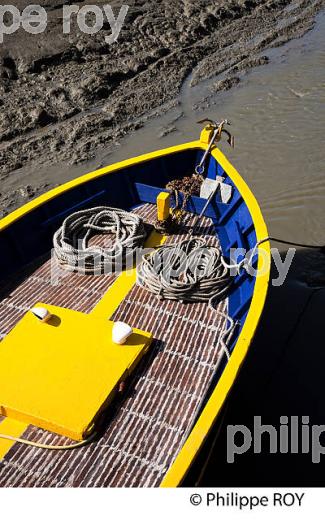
{"x": 41, "y": 313}
{"x": 121, "y": 331}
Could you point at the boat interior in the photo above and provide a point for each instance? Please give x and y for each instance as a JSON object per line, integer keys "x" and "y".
{"x": 144, "y": 428}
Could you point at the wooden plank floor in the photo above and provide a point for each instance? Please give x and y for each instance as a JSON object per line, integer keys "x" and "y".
{"x": 145, "y": 431}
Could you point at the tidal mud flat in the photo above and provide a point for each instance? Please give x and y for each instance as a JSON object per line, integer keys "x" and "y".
{"x": 64, "y": 97}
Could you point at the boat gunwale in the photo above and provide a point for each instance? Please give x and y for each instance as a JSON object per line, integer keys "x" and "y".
{"x": 212, "y": 408}
{"x": 17, "y": 214}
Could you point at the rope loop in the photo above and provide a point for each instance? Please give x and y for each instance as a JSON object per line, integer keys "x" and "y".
{"x": 190, "y": 271}
{"x": 72, "y": 240}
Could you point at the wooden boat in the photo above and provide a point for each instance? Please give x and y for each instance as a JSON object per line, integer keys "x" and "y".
{"x": 152, "y": 435}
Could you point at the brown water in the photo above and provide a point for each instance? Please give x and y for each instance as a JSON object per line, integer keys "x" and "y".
{"x": 277, "y": 115}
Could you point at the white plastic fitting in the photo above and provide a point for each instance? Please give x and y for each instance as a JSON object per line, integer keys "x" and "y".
{"x": 120, "y": 332}
{"x": 41, "y": 313}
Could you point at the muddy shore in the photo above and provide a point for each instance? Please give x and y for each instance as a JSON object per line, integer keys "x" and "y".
{"x": 64, "y": 97}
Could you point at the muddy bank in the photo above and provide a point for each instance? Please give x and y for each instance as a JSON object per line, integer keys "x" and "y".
{"x": 64, "y": 97}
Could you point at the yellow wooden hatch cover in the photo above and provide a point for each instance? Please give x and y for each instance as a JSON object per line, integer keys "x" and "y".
{"x": 60, "y": 375}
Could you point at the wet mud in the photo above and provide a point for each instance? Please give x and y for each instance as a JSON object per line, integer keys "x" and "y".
{"x": 65, "y": 97}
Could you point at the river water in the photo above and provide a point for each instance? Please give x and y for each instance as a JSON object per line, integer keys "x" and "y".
{"x": 277, "y": 114}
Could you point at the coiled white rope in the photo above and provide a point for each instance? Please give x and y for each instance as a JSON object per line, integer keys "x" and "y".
{"x": 188, "y": 271}
{"x": 71, "y": 240}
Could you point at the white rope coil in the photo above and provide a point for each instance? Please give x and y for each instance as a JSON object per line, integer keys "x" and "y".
{"x": 188, "y": 271}
{"x": 71, "y": 240}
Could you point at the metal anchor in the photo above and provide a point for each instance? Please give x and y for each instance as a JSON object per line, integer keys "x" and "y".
{"x": 218, "y": 129}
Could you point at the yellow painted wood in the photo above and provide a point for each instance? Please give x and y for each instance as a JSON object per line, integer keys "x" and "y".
{"x": 124, "y": 283}
{"x": 163, "y": 206}
{"x": 206, "y": 134}
{"x": 105, "y": 308}
{"x": 59, "y": 375}
{"x": 13, "y": 428}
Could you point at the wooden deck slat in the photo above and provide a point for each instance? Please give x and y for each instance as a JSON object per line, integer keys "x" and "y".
{"x": 147, "y": 430}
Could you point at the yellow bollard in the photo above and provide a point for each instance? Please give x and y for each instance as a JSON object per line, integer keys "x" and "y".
{"x": 163, "y": 206}
{"x": 206, "y": 134}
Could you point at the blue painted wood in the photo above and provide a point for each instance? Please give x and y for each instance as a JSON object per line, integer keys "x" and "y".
{"x": 238, "y": 236}
{"x": 71, "y": 209}
{"x": 147, "y": 193}
{"x": 241, "y": 309}
{"x": 221, "y": 171}
{"x": 235, "y": 202}
{"x": 212, "y": 169}
{"x": 248, "y": 228}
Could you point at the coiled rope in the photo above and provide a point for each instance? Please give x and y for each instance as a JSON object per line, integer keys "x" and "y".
{"x": 190, "y": 271}
{"x": 71, "y": 240}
